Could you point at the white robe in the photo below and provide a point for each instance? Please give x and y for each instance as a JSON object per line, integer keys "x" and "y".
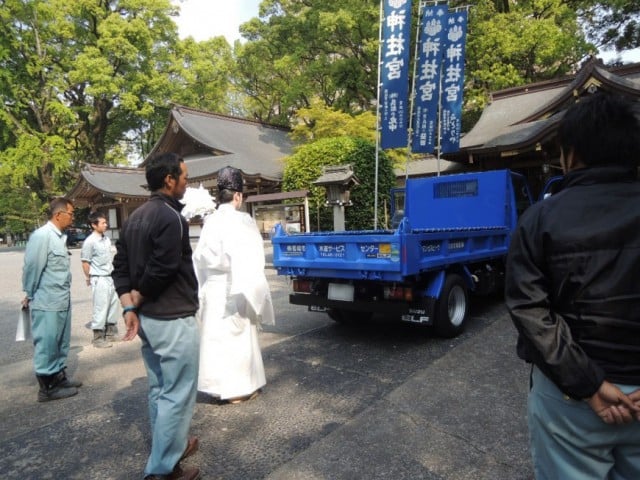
{"x": 234, "y": 301}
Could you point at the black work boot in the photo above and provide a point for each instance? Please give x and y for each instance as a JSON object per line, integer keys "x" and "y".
{"x": 50, "y": 388}
{"x": 111, "y": 333}
{"x": 67, "y": 382}
{"x": 99, "y": 340}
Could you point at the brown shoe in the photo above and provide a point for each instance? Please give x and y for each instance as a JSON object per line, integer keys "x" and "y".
{"x": 191, "y": 473}
{"x": 192, "y": 447}
{"x": 246, "y": 398}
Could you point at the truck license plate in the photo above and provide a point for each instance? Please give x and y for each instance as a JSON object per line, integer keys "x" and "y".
{"x": 340, "y": 291}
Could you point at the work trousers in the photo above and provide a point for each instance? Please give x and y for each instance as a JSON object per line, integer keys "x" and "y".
{"x": 106, "y": 305}
{"x": 170, "y": 350}
{"x": 569, "y": 441}
{"x": 51, "y": 333}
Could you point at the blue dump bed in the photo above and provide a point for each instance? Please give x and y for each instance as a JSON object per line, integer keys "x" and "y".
{"x": 453, "y": 219}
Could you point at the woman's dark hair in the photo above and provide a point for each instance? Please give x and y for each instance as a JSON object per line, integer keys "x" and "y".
{"x": 159, "y": 167}
{"x": 602, "y": 129}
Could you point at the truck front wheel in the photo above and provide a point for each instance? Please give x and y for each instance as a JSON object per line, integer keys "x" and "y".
{"x": 452, "y": 307}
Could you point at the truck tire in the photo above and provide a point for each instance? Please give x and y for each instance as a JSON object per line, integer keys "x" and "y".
{"x": 452, "y": 307}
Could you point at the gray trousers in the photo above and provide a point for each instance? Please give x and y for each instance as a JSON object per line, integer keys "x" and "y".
{"x": 106, "y": 305}
{"x": 569, "y": 441}
{"x": 170, "y": 350}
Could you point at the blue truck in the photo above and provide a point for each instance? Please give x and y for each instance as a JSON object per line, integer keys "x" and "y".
{"x": 451, "y": 240}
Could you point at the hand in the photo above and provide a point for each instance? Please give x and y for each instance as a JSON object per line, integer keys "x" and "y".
{"x": 132, "y": 322}
{"x": 613, "y": 406}
{"x": 88, "y": 281}
{"x": 25, "y": 303}
{"x": 635, "y": 398}
{"x": 136, "y": 298}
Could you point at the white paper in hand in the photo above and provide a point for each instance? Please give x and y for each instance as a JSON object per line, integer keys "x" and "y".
{"x": 23, "y": 331}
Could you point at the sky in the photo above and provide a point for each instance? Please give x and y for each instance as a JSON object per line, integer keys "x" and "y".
{"x": 204, "y": 19}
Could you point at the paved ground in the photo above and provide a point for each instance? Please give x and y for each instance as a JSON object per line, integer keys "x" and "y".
{"x": 340, "y": 403}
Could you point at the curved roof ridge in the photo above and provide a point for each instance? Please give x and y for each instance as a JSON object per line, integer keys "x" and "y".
{"x": 197, "y": 111}
{"x": 592, "y": 69}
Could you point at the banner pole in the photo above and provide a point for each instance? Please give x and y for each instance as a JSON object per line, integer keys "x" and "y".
{"x": 378, "y": 127}
{"x": 413, "y": 94}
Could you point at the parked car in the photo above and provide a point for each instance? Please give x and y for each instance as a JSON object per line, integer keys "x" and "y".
{"x": 75, "y": 236}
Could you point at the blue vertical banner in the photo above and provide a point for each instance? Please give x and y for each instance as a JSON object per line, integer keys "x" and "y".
{"x": 394, "y": 73}
{"x": 453, "y": 82}
{"x": 427, "y": 83}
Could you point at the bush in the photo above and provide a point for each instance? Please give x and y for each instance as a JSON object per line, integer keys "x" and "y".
{"x": 305, "y": 166}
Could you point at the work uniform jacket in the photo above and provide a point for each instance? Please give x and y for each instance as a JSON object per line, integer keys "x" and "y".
{"x": 573, "y": 281}
{"x": 46, "y": 276}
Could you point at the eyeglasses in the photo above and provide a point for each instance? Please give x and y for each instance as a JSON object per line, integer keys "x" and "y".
{"x": 71, "y": 214}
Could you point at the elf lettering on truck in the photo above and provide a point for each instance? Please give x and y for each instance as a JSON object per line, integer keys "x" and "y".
{"x": 452, "y": 239}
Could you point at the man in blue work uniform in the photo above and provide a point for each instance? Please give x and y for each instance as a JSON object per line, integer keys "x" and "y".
{"x": 154, "y": 277}
{"x": 46, "y": 280}
{"x": 97, "y": 266}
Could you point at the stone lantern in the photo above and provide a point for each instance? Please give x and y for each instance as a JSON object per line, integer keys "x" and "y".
{"x": 338, "y": 181}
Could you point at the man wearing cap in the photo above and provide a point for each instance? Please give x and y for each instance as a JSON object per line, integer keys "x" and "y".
{"x": 235, "y": 296}
{"x": 153, "y": 275}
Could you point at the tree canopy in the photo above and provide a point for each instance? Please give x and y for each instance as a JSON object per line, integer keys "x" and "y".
{"x": 92, "y": 81}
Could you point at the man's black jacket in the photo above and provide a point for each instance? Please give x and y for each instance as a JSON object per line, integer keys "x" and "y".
{"x": 154, "y": 257}
{"x": 573, "y": 281}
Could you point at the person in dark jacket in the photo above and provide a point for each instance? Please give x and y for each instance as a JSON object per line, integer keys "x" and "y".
{"x": 154, "y": 277}
{"x": 573, "y": 292}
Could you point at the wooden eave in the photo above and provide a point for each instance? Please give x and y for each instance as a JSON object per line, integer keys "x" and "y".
{"x": 592, "y": 74}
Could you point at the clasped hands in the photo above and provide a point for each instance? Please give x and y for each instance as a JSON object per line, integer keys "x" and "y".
{"x": 131, "y": 320}
{"x": 613, "y": 406}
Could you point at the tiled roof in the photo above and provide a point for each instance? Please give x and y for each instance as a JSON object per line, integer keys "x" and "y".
{"x": 524, "y": 115}
{"x": 253, "y": 147}
{"x": 109, "y": 181}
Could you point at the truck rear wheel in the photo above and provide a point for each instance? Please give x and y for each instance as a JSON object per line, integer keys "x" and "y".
{"x": 452, "y": 307}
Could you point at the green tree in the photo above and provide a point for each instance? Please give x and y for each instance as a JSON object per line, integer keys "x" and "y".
{"x": 20, "y": 209}
{"x": 305, "y": 166}
{"x": 298, "y": 51}
{"x": 614, "y": 24}
{"x": 203, "y": 74}
{"x": 76, "y": 77}
{"x": 319, "y": 121}
{"x": 512, "y": 44}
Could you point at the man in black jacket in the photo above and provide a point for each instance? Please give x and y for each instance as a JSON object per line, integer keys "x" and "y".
{"x": 573, "y": 292}
{"x": 154, "y": 277}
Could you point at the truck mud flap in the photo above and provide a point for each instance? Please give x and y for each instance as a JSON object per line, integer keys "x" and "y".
{"x": 421, "y": 313}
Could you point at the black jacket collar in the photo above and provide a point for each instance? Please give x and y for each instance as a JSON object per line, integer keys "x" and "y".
{"x": 173, "y": 202}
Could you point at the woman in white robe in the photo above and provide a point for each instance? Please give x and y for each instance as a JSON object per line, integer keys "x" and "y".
{"x": 234, "y": 296}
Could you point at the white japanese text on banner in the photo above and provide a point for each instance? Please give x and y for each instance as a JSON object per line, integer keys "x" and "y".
{"x": 394, "y": 88}
{"x": 453, "y": 82}
{"x": 430, "y": 56}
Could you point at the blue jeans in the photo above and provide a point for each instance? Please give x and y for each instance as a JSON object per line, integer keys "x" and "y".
{"x": 51, "y": 333}
{"x": 569, "y": 441}
{"x": 170, "y": 350}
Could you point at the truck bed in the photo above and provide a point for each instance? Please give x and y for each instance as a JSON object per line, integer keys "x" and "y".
{"x": 388, "y": 255}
